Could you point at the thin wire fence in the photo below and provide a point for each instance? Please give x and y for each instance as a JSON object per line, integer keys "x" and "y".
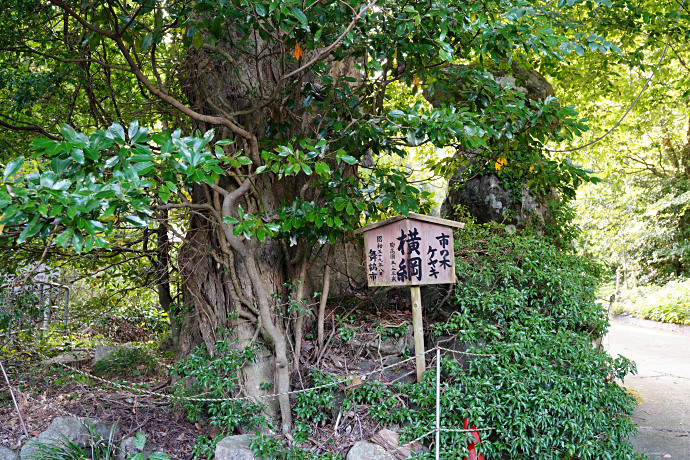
{"x": 133, "y": 388}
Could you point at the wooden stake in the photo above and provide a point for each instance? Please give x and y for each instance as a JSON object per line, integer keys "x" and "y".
{"x": 418, "y": 327}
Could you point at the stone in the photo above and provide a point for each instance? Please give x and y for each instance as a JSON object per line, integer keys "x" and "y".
{"x": 71, "y": 357}
{"x": 128, "y": 449}
{"x": 390, "y": 346}
{"x": 235, "y": 448}
{"x": 103, "y": 351}
{"x": 73, "y": 428}
{"x": 8, "y": 454}
{"x": 363, "y": 450}
{"x": 488, "y": 200}
{"x": 389, "y": 439}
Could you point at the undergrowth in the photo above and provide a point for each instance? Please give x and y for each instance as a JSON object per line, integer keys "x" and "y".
{"x": 669, "y": 303}
{"x": 539, "y": 389}
{"x": 131, "y": 361}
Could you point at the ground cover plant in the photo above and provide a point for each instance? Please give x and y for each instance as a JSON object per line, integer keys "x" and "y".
{"x": 545, "y": 390}
{"x": 537, "y": 385}
{"x": 669, "y": 303}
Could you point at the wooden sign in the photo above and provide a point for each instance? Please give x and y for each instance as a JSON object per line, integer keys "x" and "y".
{"x": 410, "y": 251}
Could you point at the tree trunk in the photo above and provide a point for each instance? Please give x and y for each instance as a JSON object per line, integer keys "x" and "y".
{"x": 162, "y": 264}
{"x": 232, "y": 283}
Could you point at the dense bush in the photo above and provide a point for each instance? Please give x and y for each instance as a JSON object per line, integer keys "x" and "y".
{"x": 545, "y": 391}
{"x": 669, "y": 303}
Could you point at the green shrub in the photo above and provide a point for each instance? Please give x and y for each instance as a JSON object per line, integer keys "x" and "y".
{"x": 544, "y": 391}
{"x": 125, "y": 361}
{"x": 216, "y": 378}
{"x": 668, "y": 304}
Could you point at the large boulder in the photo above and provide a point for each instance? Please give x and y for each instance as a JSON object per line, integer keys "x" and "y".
{"x": 73, "y": 429}
{"x": 484, "y": 196}
{"x": 530, "y": 82}
{"x": 235, "y": 448}
{"x": 488, "y": 200}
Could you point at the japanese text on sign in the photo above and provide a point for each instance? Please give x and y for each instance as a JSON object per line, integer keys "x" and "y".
{"x": 409, "y": 252}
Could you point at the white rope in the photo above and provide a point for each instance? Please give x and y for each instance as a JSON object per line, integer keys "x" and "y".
{"x": 129, "y": 386}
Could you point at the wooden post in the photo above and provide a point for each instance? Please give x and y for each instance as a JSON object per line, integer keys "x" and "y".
{"x": 618, "y": 280}
{"x": 634, "y": 278}
{"x": 418, "y": 327}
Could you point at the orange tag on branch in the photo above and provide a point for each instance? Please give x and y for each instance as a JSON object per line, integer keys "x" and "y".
{"x": 298, "y": 51}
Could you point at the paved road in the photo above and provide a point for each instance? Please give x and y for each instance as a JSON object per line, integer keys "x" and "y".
{"x": 663, "y": 383}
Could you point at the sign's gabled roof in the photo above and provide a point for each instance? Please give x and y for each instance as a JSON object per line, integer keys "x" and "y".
{"x": 413, "y": 216}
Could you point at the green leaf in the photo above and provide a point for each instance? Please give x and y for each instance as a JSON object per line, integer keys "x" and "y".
{"x": 77, "y": 241}
{"x": 139, "y": 441}
{"x": 63, "y": 238}
{"x": 133, "y": 129}
{"x": 230, "y": 220}
{"x": 68, "y": 132}
{"x": 349, "y": 159}
{"x": 77, "y": 155}
{"x": 146, "y": 42}
{"x": 118, "y": 132}
{"x": 164, "y": 193}
{"x": 136, "y": 221}
{"x": 198, "y": 40}
{"x": 12, "y": 167}
{"x": 301, "y": 17}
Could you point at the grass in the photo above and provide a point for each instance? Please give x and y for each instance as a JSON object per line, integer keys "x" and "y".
{"x": 130, "y": 361}
{"x": 97, "y": 448}
{"x": 669, "y": 303}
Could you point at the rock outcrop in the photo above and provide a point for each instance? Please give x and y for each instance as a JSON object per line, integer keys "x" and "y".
{"x": 484, "y": 196}
{"x": 73, "y": 429}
